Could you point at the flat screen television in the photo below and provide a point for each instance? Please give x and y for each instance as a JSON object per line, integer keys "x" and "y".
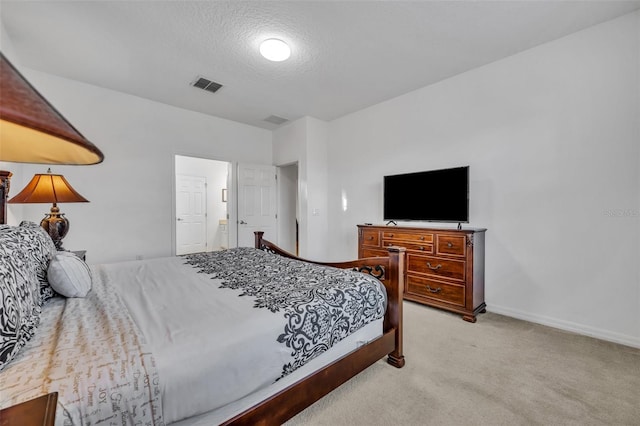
{"x": 433, "y": 195}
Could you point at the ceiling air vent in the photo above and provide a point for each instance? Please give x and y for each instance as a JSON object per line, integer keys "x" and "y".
{"x": 206, "y": 84}
{"x": 275, "y": 119}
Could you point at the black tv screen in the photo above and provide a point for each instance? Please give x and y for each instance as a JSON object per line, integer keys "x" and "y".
{"x": 434, "y": 195}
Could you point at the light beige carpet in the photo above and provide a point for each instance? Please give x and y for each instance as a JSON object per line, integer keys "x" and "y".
{"x": 498, "y": 371}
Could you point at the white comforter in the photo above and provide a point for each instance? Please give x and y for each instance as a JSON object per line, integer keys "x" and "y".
{"x": 219, "y": 331}
{"x": 203, "y": 336}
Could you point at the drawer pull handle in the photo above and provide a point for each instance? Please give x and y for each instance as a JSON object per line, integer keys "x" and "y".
{"x": 369, "y": 238}
{"x": 422, "y": 238}
{"x": 434, "y": 290}
{"x": 449, "y": 245}
{"x": 421, "y": 248}
{"x": 435, "y": 268}
{"x": 390, "y": 235}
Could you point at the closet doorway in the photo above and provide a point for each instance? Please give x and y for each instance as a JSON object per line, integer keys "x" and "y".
{"x": 288, "y": 208}
{"x": 201, "y": 204}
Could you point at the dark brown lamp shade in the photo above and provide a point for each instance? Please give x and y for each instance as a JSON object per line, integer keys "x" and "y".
{"x": 32, "y": 130}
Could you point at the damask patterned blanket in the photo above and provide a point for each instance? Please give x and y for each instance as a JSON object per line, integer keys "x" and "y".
{"x": 90, "y": 352}
{"x": 321, "y": 305}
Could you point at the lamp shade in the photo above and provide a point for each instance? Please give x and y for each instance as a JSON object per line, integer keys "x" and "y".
{"x": 32, "y": 130}
{"x": 48, "y": 188}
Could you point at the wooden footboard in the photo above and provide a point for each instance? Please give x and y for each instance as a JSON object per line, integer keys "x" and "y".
{"x": 295, "y": 398}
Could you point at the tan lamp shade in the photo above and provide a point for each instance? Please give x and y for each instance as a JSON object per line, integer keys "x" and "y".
{"x": 32, "y": 130}
{"x": 48, "y": 188}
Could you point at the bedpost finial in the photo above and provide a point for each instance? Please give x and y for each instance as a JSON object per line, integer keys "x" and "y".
{"x": 258, "y": 239}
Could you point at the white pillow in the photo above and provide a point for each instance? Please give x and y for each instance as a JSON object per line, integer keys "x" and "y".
{"x": 69, "y": 275}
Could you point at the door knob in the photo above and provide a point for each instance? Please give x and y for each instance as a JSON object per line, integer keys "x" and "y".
{"x": 242, "y": 222}
{"x": 179, "y": 219}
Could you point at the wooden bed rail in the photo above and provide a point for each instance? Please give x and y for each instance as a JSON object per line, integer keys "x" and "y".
{"x": 285, "y": 404}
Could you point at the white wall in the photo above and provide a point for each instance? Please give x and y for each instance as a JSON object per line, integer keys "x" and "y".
{"x": 317, "y": 187}
{"x": 7, "y": 49}
{"x": 552, "y": 136}
{"x": 305, "y": 141}
{"x": 131, "y": 193}
{"x": 215, "y": 172}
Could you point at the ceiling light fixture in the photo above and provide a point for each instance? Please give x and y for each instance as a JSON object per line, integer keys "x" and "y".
{"x": 275, "y": 50}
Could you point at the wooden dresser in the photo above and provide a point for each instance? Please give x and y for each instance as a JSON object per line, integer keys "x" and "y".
{"x": 444, "y": 267}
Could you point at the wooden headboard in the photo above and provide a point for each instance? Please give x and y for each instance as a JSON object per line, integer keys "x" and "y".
{"x": 5, "y": 178}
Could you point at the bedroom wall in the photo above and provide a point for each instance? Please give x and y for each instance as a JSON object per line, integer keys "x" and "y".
{"x": 305, "y": 141}
{"x": 7, "y": 49}
{"x": 131, "y": 193}
{"x": 552, "y": 139}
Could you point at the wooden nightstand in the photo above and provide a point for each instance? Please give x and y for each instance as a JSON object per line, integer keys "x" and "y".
{"x": 36, "y": 412}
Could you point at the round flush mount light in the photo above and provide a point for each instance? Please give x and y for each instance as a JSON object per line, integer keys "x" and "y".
{"x": 275, "y": 50}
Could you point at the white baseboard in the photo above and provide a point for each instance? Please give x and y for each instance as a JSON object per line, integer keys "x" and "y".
{"x": 568, "y": 326}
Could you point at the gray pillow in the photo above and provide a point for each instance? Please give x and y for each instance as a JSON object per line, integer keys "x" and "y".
{"x": 39, "y": 248}
{"x": 69, "y": 275}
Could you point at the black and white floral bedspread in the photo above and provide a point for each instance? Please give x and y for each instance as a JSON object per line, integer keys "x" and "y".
{"x": 321, "y": 305}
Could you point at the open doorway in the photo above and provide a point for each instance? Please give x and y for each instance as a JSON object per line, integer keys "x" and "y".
{"x": 201, "y": 208}
{"x": 288, "y": 208}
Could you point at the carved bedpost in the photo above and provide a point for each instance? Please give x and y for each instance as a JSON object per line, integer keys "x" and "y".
{"x": 258, "y": 236}
{"x": 393, "y": 319}
{"x": 5, "y": 178}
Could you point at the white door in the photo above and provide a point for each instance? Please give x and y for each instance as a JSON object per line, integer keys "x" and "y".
{"x": 256, "y": 203}
{"x": 191, "y": 214}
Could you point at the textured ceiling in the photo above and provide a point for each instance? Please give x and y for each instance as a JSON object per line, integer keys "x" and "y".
{"x": 345, "y": 55}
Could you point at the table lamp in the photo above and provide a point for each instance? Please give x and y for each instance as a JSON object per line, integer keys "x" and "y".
{"x": 50, "y": 188}
{"x": 33, "y": 131}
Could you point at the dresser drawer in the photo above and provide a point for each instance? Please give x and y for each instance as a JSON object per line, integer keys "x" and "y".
{"x": 408, "y": 236}
{"x": 426, "y": 248}
{"x": 373, "y": 253}
{"x": 434, "y": 289}
{"x": 451, "y": 244}
{"x": 370, "y": 237}
{"x": 436, "y": 266}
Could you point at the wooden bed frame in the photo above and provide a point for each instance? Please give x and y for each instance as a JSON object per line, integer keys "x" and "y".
{"x": 5, "y": 180}
{"x": 280, "y": 407}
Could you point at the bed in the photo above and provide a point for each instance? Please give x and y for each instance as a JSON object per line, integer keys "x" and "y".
{"x": 242, "y": 336}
